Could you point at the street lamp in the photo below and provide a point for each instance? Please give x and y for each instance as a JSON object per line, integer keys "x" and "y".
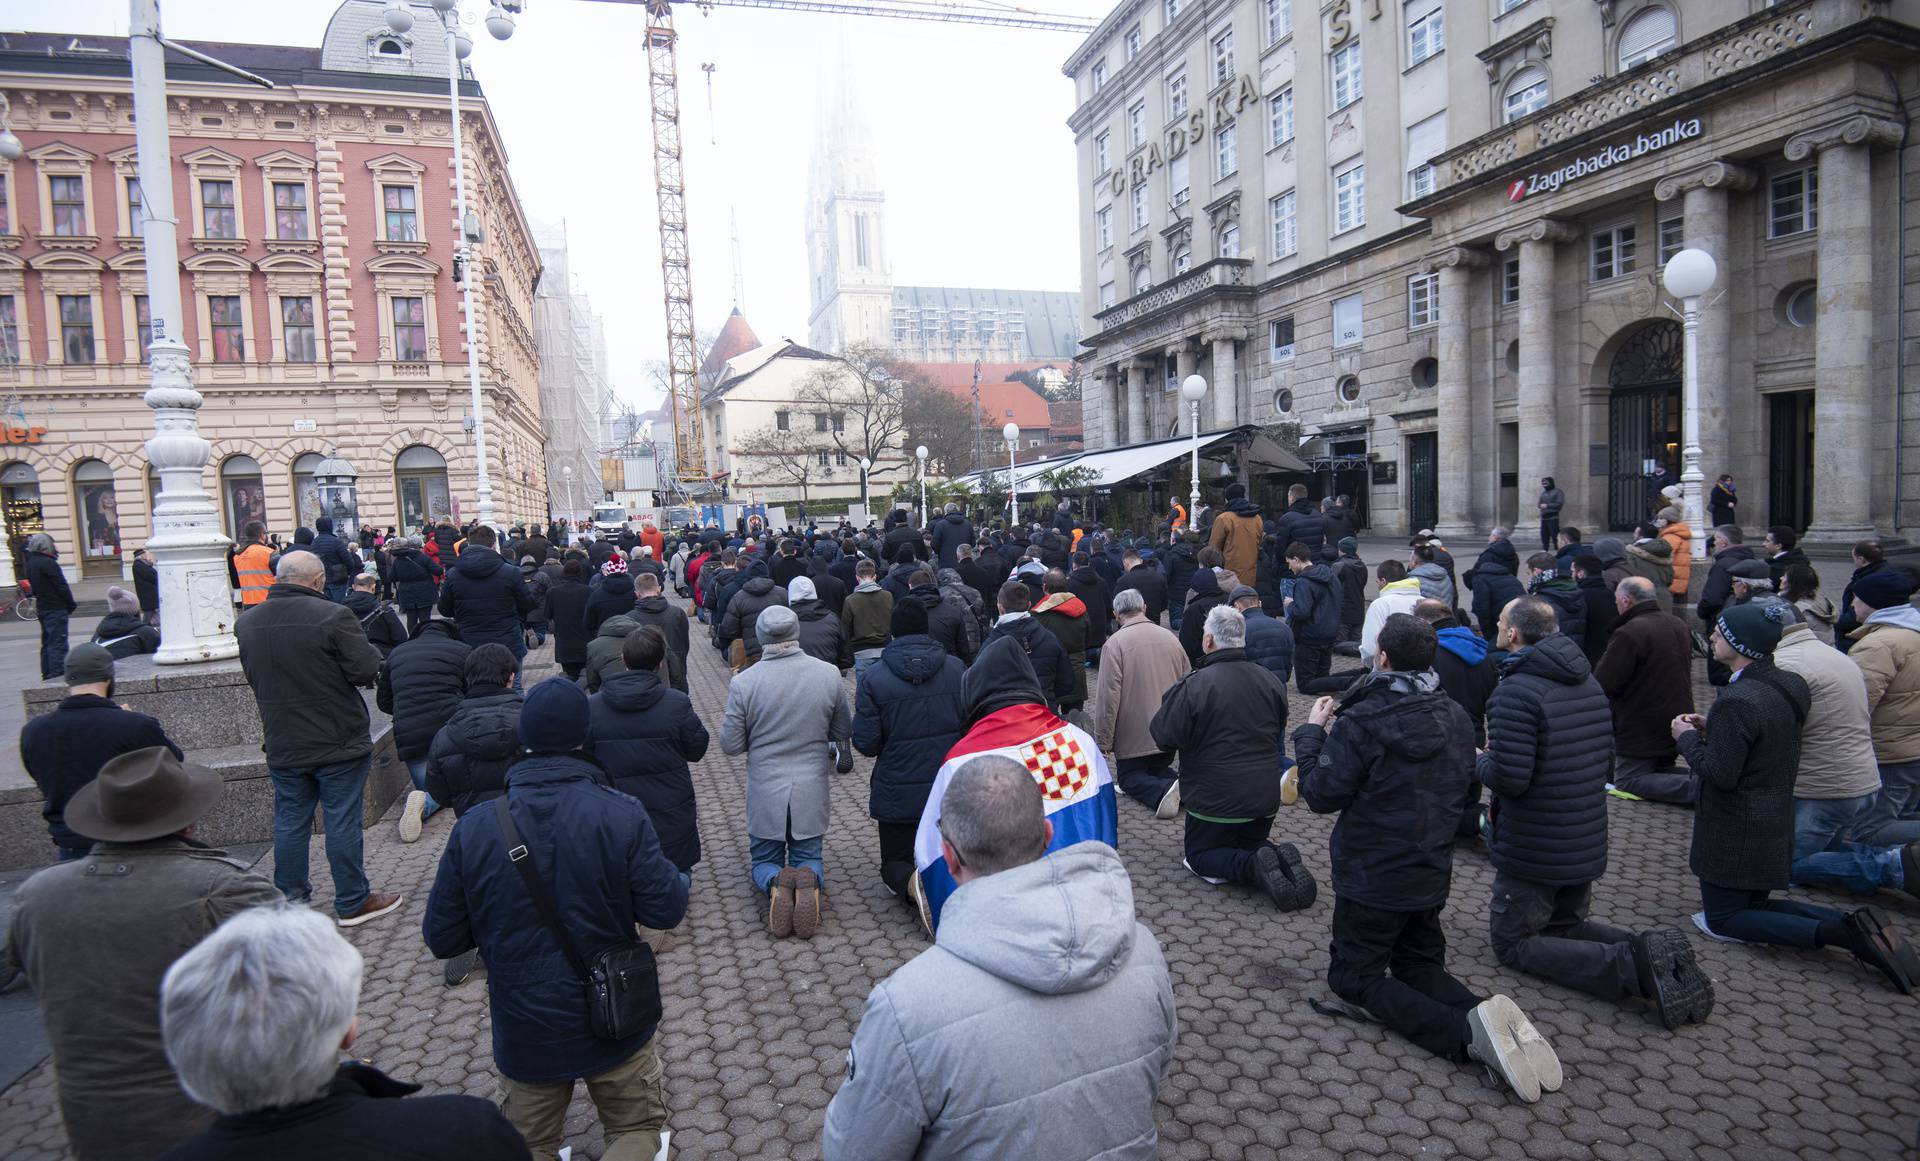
{"x": 1193, "y": 389}
{"x": 1011, "y": 433}
{"x": 1688, "y": 276}
{"x": 920, "y": 453}
{"x": 866, "y": 507}
{"x": 567, "y": 470}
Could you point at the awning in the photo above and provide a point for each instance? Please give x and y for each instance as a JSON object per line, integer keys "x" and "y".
{"x": 1118, "y": 465}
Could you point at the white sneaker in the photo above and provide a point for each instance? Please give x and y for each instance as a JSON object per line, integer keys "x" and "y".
{"x": 413, "y": 816}
{"x": 1539, "y": 1053}
{"x": 1494, "y": 1027}
{"x": 1169, "y": 803}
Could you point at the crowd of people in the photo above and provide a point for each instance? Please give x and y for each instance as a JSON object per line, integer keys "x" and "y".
{"x": 1010, "y": 685}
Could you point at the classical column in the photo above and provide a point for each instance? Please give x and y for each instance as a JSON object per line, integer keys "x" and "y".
{"x": 1537, "y": 411}
{"x": 1844, "y": 438}
{"x": 1186, "y": 357}
{"x": 1704, "y": 203}
{"x": 1112, "y": 392}
{"x": 1455, "y": 420}
{"x": 1136, "y": 391}
{"x": 1225, "y": 390}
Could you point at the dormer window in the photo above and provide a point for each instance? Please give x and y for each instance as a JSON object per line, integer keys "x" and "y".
{"x": 385, "y": 46}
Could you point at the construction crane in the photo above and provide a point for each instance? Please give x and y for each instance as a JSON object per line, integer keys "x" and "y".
{"x": 670, "y": 182}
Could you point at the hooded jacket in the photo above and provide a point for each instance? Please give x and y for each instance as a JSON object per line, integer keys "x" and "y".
{"x": 1569, "y": 606}
{"x": 1548, "y": 759}
{"x": 1152, "y": 585}
{"x": 671, "y": 620}
{"x": 1051, "y": 668}
{"x": 415, "y": 579}
{"x": 1679, "y": 537}
{"x": 1551, "y": 501}
{"x": 1887, "y": 650}
{"x": 833, "y": 594}
{"x": 1000, "y": 678}
{"x": 952, "y": 585}
{"x": 949, "y": 533}
{"x": 612, "y": 597}
{"x": 1494, "y": 579}
{"x": 1269, "y": 644}
{"x": 1653, "y": 559}
{"x": 378, "y": 620}
{"x": 485, "y": 597}
{"x": 1396, "y": 763}
{"x": 1836, "y": 740}
{"x": 1086, "y": 583}
{"x": 307, "y": 660}
{"x": 949, "y": 621}
{"x": 820, "y": 633}
{"x": 420, "y": 684}
{"x": 644, "y": 734}
{"x": 1302, "y": 523}
{"x": 128, "y": 635}
{"x": 1238, "y": 533}
{"x": 743, "y": 612}
{"x": 1139, "y": 663}
{"x": 1614, "y": 564}
{"x": 867, "y": 617}
{"x": 1054, "y": 945}
{"x": 1434, "y": 582}
{"x": 1747, "y": 761}
{"x": 1395, "y": 597}
{"x": 1717, "y": 593}
{"x": 567, "y": 616}
{"x": 1601, "y": 615}
{"x": 1204, "y": 597}
{"x": 896, "y": 580}
{"x": 1351, "y": 572}
{"x": 908, "y": 712}
{"x": 1647, "y": 674}
{"x": 1065, "y": 616}
{"x": 340, "y": 562}
{"x": 1227, "y": 719}
{"x": 603, "y": 652}
{"x": 1314, "y": 615}
{"x": 1182, "y": 562}
{"x": 467, "y": 764}
{"x": 1467, "y": 675}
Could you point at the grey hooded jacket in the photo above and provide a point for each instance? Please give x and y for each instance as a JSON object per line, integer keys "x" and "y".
{"x": 963, "y": 1052}
{"x": 1435, "y": 584}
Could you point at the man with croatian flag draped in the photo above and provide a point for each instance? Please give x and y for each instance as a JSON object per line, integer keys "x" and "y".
{"x": 1007, "y": 714}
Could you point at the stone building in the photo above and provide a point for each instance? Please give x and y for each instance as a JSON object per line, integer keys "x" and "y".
{"x": 316, "y": 245}
{"x": 1432, "y": 235}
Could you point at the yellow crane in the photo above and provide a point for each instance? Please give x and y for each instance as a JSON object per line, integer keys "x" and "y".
{"x": 670, "y": 182}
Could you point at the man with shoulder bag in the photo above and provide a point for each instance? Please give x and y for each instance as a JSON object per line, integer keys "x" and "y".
{"x": 574, "y": 995}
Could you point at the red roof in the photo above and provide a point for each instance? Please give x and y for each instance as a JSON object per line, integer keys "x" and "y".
{"x": 1066, "y": 421}
{"x": 999, "y": 400}
{"x": 735, "y": 338}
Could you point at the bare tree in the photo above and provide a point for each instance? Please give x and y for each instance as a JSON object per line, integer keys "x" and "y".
{"x": 784, "y": 457}
{"x": 863, "y": 394}
{"x": 943, "y": 421}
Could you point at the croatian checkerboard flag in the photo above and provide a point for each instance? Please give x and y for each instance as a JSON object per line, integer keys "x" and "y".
{"x": 1063, "y": 758}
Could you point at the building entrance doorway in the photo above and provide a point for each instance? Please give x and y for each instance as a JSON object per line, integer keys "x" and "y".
{"x": 1643, "y": 420}
{"x": 1423, "y": 480}
{"x": 1790, "y": 421}
{"x": 20, "y": 496}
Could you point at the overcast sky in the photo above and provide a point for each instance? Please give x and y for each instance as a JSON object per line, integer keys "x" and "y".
{"x": 970, "y": 123}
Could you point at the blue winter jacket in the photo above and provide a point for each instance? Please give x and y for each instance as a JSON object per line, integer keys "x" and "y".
{"x": 413, "y": 574}
{"x": 597, "y": 852}
{"x": 1495, "y": 583}
{"x": 332, "y": 551}
{"x": 486, "y": 597}
{"x": 907, "y": 714}
{"x": 644, "y": 733}
{"x": 1314, "y": 615}
{"x": 1270, "y": 644}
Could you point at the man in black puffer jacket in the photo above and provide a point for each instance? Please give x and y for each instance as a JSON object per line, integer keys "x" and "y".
{"x": 1182, "y": 560}
{"x": 485, "y": 597}
{"x": 467, "y": 763}
{"x": 951, "y": 531}
{"x": 1548, "y": 757}
{"x": 1050, "y": 663}
{"x": 342, "y": 564}
{"x": 645, "y": 734}
{"x": 420, "y": 684}
{"x": 1301, "y": 523}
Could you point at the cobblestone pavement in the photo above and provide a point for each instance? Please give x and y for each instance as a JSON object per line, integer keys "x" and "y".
{"x": 1807, "y": 1054}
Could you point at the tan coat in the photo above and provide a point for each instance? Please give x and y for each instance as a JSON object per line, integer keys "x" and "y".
{"x": 1836, "y": 742}
{"x": 1888, "y": 655}
{"x": 1238, "y": 539}
{"x": 1138, "y": 664}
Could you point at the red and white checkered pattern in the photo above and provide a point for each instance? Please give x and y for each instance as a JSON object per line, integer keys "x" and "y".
{"x": 1058, "y": 764}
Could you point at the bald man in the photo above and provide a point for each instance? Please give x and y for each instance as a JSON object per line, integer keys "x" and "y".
{"x": 1647, "y": 673}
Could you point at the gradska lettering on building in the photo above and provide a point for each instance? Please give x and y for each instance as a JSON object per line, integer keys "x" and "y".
{"x": 1684, "y": 129}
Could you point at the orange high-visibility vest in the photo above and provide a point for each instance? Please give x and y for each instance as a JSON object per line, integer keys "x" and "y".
{"x": 250, "y": 564}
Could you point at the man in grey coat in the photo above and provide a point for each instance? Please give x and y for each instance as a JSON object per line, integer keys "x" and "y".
{"x": 789, "y": 716}
{"x": 1041, "y": 951}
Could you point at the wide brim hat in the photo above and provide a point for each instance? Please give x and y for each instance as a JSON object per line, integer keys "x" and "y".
{"x": 143, "y": 794}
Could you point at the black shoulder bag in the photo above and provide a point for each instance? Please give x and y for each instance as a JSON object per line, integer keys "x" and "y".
{"x": 622, "y": 981}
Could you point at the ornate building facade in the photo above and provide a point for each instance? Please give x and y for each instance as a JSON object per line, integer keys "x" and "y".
{"x": 317, "y": 280}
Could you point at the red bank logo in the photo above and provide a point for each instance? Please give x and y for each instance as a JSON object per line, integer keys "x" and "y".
{"x": 1517, "y": 190}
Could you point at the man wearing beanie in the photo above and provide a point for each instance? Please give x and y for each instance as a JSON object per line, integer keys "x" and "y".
{"x": 788, "y": 714}
{"x": 1886, "y": 647}
{"x": 1746, "y": 751}
{"x": 596, "y": 855}
{"x": 124, "y": 630}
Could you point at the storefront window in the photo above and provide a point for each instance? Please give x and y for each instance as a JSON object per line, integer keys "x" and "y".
{"x": 20, "y": 495}
{"x": 99, "y": 510}
{"x": 420, "y": 476}
{"x": 306, "y": 494}
{"x": 244, "y": 494}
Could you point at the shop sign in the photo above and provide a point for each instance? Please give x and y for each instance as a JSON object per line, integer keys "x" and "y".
{"x": 10, "y": 434}
{"x": 1684, "y": 129}
{"x": 304, "y": 425}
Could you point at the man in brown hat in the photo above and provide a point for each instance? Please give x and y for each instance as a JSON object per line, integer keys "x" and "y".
{"x": 96, "y": 935}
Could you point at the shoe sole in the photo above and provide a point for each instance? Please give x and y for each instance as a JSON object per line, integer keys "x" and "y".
{"x": 412, "y": 816}
{"x": 1304, "y": 887}
{"x": 1290, "y": 786}
{"x": 460, "y": 968}
{"x": 780, "y": 904}
{"x": 807, "y": 902}
{"x": 1492, "y": 1042}
{"x": 1540, "y": 1054}
{"x": 1682, "y": 993}
{"x": 1892, "y": 954}
{"x": 370, "y": 916}
{"x": 918, "y": 895}
{"x": 1169, "y": 807}
{"x": 1273, "y": 879}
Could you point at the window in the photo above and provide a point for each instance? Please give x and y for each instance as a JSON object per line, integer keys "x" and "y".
{"x": 1646, "y": 36}
{"x": 839, "y": 459}
{"x": 1793, "y": 203}
{"x": 1426, "y": 30}
{"x": 861, "y": 257}
{"x": 782, "y": 421}
{"x": 1347, "y": 87}
{"x": 136, "y": 217}
{"x": 1286, "y": 224}
{"x": 1803, "y": 306}
{"x": 1526, "y": 91}
{"x": 1142, "y": 279}
{"x": 1103, "y": 153}
{"x": 1223, "y": 57}
{"x": 1283, "y": 401}
{"x": 1420, "y": 181}
{"x": 1280, "y": 338}
{"x": 1346, "y": 320}
{"x": 1671, "y": 240}
{"x": 1133, "y": 42}
{"x": 819, "y": 421}
{"x": 1099, "y": 75}
{"x": 217, "y": 219}
{"x": 1108, "y": 296}
{"x": 1510, "y": 282}
{"x": 1425, "y": 141}
{"x": 229, "y": 336}
{"x": 1348, "y": 389}
{"x": 1173, "y": 11}
{"x": 1183, "y": 258}
{"x": 296, "y": 328}
{"x": 1423, "y": 300}
{"x": 143, "y": 325}
{"x": 1612, "y": 252}
{"x": 1177, "y": 178}
{"x": 1279, "y": 20}
{"x": 6, "y": 207}
{"x": 1140, "y": 206}
{"x": 1226, "y": 151}
{"x": 290, "y": 210}
{"x": 840, "y": 421}
{"x": 1280, "y": 118}
{"x": 822, "y": 459}
{"x": 69, "y": 197}
{"x": 76, "y": 328}
{"x": 410, "y": 330}
{"x": 1137, "y": 125}
{"x": 1349, "y": 198}
{"x": 1103, "y": 225}
{"x": 1176, "y": 96}
{"x": 1230, "y": 240}
{"x": 1506, "y": 6}
{"x": 9, "y": 333}
{"x": 403, "y": 224}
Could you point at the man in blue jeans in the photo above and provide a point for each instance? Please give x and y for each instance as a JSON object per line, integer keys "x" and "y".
{"x": 306, "y": 659}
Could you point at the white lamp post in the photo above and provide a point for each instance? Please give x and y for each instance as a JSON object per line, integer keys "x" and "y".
{"x": 866, "y": 465}
{"x": 567, "y": 470}
{"x": 1011, "y": 433}
{"x": 1193, "y": 389}
{"x": 920, "y": 453}
{"x": 1688, "y": 276}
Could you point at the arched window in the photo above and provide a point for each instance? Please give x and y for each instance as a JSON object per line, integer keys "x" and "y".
{"x": 1646, "y": 36}
{"x": 389, "y": 47}
{"x": 99, "y": 519}
{"x": 244, "y": 493}
{"x": 420, "y": 476}
{"x": 1142, "y": 278}
{"x": 20, "y": 493}
{"x": 306, "y": 494}
{"x": 1526, "y": 91}
{"x": 1183, "y": 259}
{"x": 1230, "y": 240}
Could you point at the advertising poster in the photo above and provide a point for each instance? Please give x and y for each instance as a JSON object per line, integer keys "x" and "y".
{"x": 246, "y": 503}
{"x": 101, "y": 514}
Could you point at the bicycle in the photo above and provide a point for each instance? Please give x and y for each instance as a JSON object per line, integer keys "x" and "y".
{"x": 23, "y": 605}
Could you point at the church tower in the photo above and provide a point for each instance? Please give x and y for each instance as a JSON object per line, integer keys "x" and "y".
{"x": 852, "y": 285}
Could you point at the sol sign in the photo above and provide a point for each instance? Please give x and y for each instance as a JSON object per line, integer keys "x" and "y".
{"x": 1685, "y": 129}
{"x": 21, "y": 435}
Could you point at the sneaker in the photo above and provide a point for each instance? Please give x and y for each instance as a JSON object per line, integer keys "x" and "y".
{"x": 413, "y": 815}
{"x": 377, "y": 904}
{"x": 1680, "y": 991}
{"x": 1493, "y": 1040}
{"x": 1169, "y": 803}
{"x": 780, "y": 904}
{"x": 1539, "y": 1053}
{"x": 808, "y": 898}
{"x": 920, "y": 908}
{"x": 1878, "y": 944}
{"x": 1619, "y": 793}
{"x": 1335, "y": 1006}
{"x": 461, "y": 966}
{"x": 1290, "y": 786}
{"x": 1304, "y": 888}
{"x": 1273, "y": 879}
{"x": 1910, "y": 868}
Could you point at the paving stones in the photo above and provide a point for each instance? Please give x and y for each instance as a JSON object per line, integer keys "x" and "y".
{"x": 1807, "y": 1054}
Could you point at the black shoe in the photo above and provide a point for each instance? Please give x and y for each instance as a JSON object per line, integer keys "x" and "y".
{"x": 1671, "y": 978}
{"x": 1910, "y": 868}
{"x": 460, "y": 967}
{"x": 1875, "y": 942}
{"x": 1273, "y": 879}
{"x": 1304, "y": 888}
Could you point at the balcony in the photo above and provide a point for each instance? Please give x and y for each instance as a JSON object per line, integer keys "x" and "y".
{"x": 1192, "y": 286}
